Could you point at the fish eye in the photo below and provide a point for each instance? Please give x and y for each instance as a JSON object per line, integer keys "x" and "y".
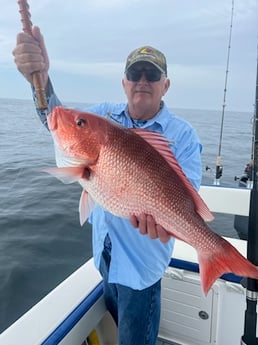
{"x": 80, "y": 122}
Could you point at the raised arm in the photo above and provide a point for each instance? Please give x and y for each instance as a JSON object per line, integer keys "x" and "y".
{"x": 30, "y": 55}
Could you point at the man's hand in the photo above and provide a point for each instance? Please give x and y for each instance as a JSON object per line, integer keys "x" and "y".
{"x": 147, "y": 226}
{"x": 30, "y": 55}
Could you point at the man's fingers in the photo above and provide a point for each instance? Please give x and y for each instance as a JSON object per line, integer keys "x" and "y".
{"x": 147, "y": 226}
{"x": 134, "y": 221}
{"x": 142, "y": 224}
{"x": 151, "y": 227}
{"x": 163, "y": 235}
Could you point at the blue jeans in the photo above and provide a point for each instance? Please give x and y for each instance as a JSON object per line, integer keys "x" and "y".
{"x": 136, "y": 312}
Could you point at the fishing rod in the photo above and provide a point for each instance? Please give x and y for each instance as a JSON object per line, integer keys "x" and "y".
{"x": 249, "y": 166}
{"x": 36, "y": 76}
{"x": 249, "y": 336}
{"x": 219, "y": 166}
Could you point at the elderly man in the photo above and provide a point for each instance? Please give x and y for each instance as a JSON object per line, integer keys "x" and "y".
{"x": 131, "y": 262}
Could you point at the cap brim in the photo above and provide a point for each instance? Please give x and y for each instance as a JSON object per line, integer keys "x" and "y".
{"x": 145, "y": 60}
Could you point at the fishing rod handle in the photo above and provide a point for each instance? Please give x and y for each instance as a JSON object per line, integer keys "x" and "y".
{"x": 36, "y": 76}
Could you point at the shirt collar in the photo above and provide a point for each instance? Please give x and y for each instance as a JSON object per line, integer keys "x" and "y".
{"x": 161, "y": 118}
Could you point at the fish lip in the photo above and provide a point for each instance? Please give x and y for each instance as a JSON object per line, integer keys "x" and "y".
{"x": 52, "y": 122}
{"x": 52, "y": 119}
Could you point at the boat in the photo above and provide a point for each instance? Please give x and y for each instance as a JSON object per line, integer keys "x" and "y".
{"x": 75, "y": 312}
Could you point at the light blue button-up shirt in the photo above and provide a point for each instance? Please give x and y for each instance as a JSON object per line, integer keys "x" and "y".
{"x": 136, "y": 260}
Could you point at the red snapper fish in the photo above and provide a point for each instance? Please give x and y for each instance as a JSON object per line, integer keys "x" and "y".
{"x": 133, "y": 171}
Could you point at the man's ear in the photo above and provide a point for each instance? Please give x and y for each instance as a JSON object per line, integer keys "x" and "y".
{"x": 123, "y": 83}
{"x": 166, "y": 87}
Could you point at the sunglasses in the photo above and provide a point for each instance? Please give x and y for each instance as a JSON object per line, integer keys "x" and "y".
{"x": 150, "y": 75}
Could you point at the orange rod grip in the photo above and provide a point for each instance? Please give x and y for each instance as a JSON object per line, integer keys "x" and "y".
{"x": 36, "y": 76}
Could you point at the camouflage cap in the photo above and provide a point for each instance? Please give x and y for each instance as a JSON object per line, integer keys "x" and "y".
{"x": 147, "y": 54}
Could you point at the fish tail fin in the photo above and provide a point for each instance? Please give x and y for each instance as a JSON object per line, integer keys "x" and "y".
{"x": 225, "y": 260}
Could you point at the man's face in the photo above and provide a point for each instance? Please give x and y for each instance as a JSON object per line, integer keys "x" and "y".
{"x": 142, "y": 88}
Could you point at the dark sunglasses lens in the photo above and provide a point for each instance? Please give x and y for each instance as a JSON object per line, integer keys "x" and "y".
{"x": 151, "y": 75}
{"x": 134, "y": 75}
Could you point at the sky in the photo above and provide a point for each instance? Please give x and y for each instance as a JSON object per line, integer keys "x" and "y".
{"x": 88, "y": 42}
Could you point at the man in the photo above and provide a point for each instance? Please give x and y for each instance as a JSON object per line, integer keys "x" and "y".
{"x": 131, "y": 264}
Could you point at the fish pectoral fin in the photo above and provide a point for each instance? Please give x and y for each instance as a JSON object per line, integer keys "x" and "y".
{"x": 86, "y": 205}
{"x": 67, "y": 175}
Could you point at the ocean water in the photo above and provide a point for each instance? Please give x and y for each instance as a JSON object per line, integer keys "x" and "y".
{"x": 41, "y": 240}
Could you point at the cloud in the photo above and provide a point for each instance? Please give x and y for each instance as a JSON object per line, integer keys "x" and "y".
{"x": 192, "y": 34}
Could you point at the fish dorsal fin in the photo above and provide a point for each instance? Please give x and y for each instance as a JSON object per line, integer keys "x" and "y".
{"x": 161, "y": 144}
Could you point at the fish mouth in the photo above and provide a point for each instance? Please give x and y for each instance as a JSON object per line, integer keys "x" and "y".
{"x": 54, "y": 117}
